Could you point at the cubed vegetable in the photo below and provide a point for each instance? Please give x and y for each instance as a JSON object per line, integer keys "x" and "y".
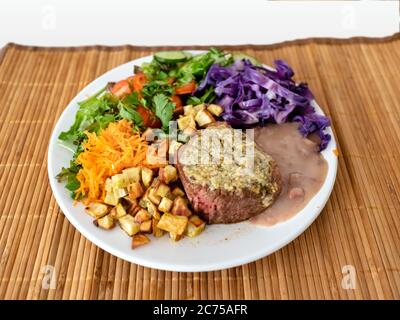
{"x": 204, "y": 118}
{"x": 135, "y": 190}
{"x": 147, "y": 176}
{"x": 132, "y": 175}
{"x": 142, "y": 215}
{"x": 215, "y": 109}
{"x": 110, "y": 198}
{"x": 118, "y": 211}
{"x": 186, "y": 122}
{"x": 97, "y": 210}
{"x": 165, "y": 205}
{"x": 193, "y": 231}
{"x": 145, "y": 226}
{"x": 175, "y": 237}
{"x": 163, "y": 190}
{"x": 172, "y": 223}
{"x": 157, "y": 232}
{"x": 129, "y": 225}
{"x": 178, "y": 192}
{"x": 153, "y": 197}
{"x": 107, "y": 222}
{"x": 168, "y": 174}
{"x": 180, "y": 207}
{"x": 139, "y": 240}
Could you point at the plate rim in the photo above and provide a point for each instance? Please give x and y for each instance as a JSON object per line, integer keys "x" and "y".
{"x": 198, "y": 267}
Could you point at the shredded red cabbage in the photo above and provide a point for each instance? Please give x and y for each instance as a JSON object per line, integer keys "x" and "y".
{"x": 252, "y": 95}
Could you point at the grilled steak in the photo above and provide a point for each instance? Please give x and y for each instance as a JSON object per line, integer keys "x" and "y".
{"x": 224, "y": 191}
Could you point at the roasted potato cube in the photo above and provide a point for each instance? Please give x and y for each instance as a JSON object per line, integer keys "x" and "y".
{"x": 168, "y": 174}
{"x": 110, "y": 198}
{"x": 142, "y": 215}
{"x": 188, "y": 109}
{"x": 153, "y": 197}
{"x": 180, "y": 207}
{"x": 128, "y": 224}
{"x": 132, "y": 175}
{"x": 97, "y": 210}
{"x": 193, "y": 231}
{"x": 147, "y": 176}
{"x": 139, "y": 240}
{"x": 204, "y": 118}
{"x": 157, "y": 153}
{"x": 119, "y": 181}
{"x": 165, "y": 205}
{"x": 149, "y": 135}
{"x": 186, "y": 122}
{"x": 118, "y": 211}
{"x": 174, "y": 224}
{"x": 108, "y": 186}
{"x": 215, "y": 109}
{"x": 178, "y": 192}
{"x": 107, "y": 222}
{"x": 173, "y": 151}
{"x": 157, "y": 232}
{"x": 135, "y": 190}
{"x": 198, "y": 108}
{"x": 163, "y": 190}
{"x": 194, "y": 219}
{"x": 120, "y": 192}
{"x": 145, "y": 226}
{"x": 152, "y": 209}
{"x": 175, "y": 237}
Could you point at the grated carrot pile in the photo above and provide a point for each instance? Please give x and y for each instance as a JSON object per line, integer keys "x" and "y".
{"x": 117, "y": 147}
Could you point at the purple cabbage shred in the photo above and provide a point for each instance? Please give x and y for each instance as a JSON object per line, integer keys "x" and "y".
{"x": 253, "y": 95}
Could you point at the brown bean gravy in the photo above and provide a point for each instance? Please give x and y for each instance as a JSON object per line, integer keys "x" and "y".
{"x": 302, "y": 167}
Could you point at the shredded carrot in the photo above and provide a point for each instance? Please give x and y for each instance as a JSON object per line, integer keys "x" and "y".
{"x": 117, "y": 147}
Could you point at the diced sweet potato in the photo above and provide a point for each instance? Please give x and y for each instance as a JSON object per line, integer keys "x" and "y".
{"x": 194, "y": 219}
{"x": 168, "y": 174}
{"x": 175, "y": 237}
{"x": 153, "y": 197}
{"x": 180, "y": 207}
{"x": 147, "y": 176}
{"x": 186, "y": 122}
{"x": 178, "y": 192}
{"x": 145, "y": 226}
{"x": 142, "y": 215}
{"x": 135, "y": 190}
{"x": 157, "y": 232}
{"x": 128, "y": 224}
{"x": 215, "y": 109}
{"x": 97, "y": 210}
{"x": 204, "y": 118}
{"x": 107, "y": 222}
{"x": 165, "y": 205}
{"x": 163, "y": 190}
{"x": 139, "y": 240}
{"x": 172, "y": 223}
{"x": 132, "y": 175}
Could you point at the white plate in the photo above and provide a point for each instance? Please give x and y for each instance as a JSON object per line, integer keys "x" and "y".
{"x": 218, "y": 247}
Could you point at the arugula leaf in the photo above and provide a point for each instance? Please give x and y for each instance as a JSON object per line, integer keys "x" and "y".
{"x": 69, "y": 176}
{"x": 208, "y": 97}
{"x": 129, "y": 113}
{"x": 164, "y": 109}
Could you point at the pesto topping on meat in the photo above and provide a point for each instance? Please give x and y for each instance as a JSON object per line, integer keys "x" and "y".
{"x": 228, "y": 159}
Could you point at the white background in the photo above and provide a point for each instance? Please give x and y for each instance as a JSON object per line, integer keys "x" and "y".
{"x": 175, "y": 22}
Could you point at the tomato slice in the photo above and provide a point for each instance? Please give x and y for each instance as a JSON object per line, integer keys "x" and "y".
{"x": 138, "y": 81}
{"x": 178, "y": 103}
{"x": 149, "y": 118}
{"x": 121, "y": 89}
{"x": 187, "y": 88}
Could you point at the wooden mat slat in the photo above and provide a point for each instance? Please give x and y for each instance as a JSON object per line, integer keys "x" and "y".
{"x": 356, "y": 82}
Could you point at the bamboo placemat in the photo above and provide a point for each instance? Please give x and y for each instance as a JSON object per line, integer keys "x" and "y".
{"x": 356, "y": 82}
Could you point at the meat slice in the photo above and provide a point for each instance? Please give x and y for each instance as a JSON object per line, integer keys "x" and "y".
{"x": 225, "y": 193}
